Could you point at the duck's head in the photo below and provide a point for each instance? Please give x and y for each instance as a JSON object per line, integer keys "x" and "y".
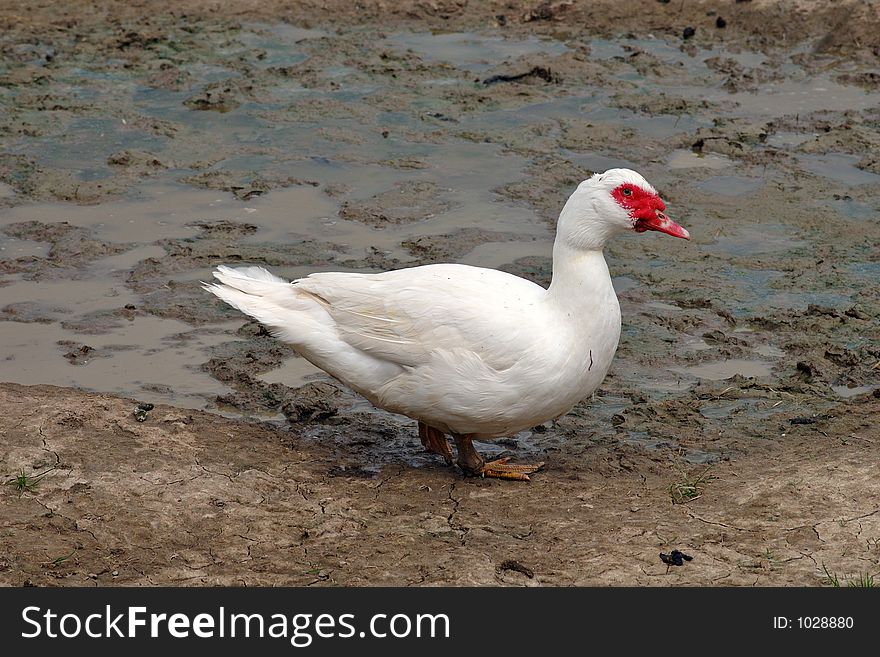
{"x": 612, "y": 202}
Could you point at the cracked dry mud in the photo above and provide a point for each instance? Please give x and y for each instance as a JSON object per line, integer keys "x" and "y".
{"x": 188, "y": 497}
{"x": 140, "y": 152}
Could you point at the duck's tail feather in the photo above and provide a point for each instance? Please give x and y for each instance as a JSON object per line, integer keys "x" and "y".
{"x": 255, "y": 292}
{"x": 253, "y": 280}
{"x": 298, "y": 317}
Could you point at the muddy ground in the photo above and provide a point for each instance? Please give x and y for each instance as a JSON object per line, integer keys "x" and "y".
{"x": 142, "y": 148}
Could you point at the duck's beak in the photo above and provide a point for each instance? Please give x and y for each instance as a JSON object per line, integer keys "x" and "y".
{"x": 657, "y": 220}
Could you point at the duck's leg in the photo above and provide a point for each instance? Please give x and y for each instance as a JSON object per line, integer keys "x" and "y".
{"x": 474, "y": 464}
{"x": 435, "y": 441}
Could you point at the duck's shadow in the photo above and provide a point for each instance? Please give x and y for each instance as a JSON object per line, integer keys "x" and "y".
{"x": 364, "y": 442}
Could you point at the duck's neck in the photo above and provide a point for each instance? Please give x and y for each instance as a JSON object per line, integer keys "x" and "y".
{"x": 580, "y": 276}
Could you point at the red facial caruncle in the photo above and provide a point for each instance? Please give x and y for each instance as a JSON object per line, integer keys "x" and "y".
{"x": 646, "y": 210}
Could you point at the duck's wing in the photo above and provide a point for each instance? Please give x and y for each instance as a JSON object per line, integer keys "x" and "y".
{"x": 404, "y": 316}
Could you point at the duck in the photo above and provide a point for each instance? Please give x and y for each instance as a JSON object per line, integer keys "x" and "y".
{"x": 468, "y": 352}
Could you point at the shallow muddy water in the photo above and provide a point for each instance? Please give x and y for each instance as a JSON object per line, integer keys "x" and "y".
{"x": 269, "y": 137}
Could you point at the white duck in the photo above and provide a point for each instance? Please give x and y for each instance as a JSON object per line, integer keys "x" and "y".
{"x": 467, "y": 351}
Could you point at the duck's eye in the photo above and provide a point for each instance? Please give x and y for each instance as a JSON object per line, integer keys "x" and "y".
{"x": 627, "y": 191}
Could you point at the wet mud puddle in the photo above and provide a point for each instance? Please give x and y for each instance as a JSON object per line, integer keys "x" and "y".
{"x": 273, "y": 147}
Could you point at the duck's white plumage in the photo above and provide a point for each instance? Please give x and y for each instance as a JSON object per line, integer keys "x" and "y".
{"x": 466, "y": 350}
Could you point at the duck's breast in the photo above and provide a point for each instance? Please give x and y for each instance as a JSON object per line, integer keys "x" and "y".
{"x": 557, "y": 361}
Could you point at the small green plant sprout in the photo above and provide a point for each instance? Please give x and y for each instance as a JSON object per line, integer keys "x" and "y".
{"x": 830, "y": 578}
{"x": 862, "y": 581}
{"x": 25, "y": 483}
{"x": 690, "y": 488}
{"x": 57, "y": 561}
